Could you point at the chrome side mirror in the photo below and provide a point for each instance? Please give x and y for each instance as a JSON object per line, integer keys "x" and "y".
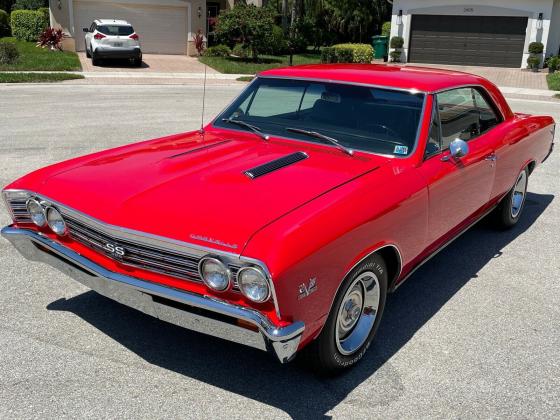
{"x": 458, "y": 148}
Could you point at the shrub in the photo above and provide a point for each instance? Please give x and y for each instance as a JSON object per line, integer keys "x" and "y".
{"x": 30, "y": 4}
{"x": 386, "y": 29}
{"x": 218, "y": 51}
{"x": 361, "y": 53}
{"x": 27, "y": 25}
{"x": 553, "y": 63}
{"x": 248, "y": 25}
{"x": 533, "y": 62}
{"x": 51, "y": 38}
{"x": 395, "y": 56}
{"x": 198, "y": 40}
{"x": 397, "y": 42}
{"x": 328, "y": 55}
{"x": 8, "y": 53}
{"x": 4, "y": 24}
{"x": 536, "y": 47}
{"x": 278, "y": 45}
{"x": 344, "y": 55}
{"x": 241, "y": 51}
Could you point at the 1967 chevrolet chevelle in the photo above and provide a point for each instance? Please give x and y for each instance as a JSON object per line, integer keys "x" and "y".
{"x": 284, "y": 223}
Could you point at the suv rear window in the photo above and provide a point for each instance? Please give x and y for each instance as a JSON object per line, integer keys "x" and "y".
{"x": 116, "y": 30}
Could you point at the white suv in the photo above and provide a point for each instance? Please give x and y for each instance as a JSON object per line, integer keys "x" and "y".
{"x": 110, "y": 38}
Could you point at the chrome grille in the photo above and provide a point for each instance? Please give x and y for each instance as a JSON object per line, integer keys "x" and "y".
{"x": 19, "y": 210}
{"x": 163, "y": 261}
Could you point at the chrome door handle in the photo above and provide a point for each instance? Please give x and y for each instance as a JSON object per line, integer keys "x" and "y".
{"x": 491, "y": 157}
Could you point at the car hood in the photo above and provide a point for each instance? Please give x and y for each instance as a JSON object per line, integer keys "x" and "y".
{"x": 194, "y": 188}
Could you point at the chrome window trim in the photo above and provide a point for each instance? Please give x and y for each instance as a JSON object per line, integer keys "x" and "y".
{"x": 474, "y": 86}
{"x": 154, "y": 240}
{"x": 311, "y": 79}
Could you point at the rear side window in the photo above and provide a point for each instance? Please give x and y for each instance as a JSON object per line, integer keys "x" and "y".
{"x": 488, "y": 116}
{"x": 115, "y": 30}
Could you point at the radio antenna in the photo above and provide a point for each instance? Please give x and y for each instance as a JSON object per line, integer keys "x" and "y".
{"x": 203, "y": 103}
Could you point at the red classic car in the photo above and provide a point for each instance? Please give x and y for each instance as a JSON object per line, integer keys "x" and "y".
{"x": 284, "y": 223}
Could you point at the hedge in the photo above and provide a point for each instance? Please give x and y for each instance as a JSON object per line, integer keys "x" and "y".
{"x": 27, "y": 25}
{"x": 217, "y": 51}
{"x": 336, "y": 55}
{"x": 4, "y": 24}
{"x": 361, "y": 53}
{"x": 386, "y": 29}
{"x": 8, "y": 53}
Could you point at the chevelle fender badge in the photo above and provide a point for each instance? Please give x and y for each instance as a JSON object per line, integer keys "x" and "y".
{"x": 306, "y": 289}
{"x": 213, "y": 241}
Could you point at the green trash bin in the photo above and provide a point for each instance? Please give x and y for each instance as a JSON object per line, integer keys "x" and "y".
{"x": 380, "y": 44}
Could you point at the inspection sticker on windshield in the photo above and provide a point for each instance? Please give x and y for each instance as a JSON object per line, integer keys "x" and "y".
{"x": 401, "y": 150}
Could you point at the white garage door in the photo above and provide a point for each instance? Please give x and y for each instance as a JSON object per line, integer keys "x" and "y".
{"x": 162, "y": 30}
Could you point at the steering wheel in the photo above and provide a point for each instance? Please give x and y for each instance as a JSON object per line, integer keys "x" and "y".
{"x": 388, "y": 131}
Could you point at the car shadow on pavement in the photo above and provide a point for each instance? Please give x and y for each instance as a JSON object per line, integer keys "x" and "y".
{"x": 293, "y": 388}
{"x": 122, "y": 64}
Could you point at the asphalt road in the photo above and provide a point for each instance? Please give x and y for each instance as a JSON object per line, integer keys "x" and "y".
{"x": 473, "y": 334}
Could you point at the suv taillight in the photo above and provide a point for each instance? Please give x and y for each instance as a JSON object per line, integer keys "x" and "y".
{"x": 99, "y": 36}
{"x": 134, "y": 37}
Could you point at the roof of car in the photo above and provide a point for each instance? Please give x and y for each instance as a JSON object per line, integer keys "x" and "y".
{"x": 424, "y": 79}
{"x": 112, "y": 22}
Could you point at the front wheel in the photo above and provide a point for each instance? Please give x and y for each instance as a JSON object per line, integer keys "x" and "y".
{"x": 353, "y": 320}
{"x": 509, "y": 211}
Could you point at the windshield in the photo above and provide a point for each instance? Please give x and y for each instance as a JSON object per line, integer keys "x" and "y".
{"x": 116, "y": 30}
{"x": 363, "y": 118}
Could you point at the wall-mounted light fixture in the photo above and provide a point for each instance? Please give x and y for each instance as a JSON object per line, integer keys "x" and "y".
{"x": 540, "y": 21}
{"x": 199, "y": 12}
{"x": 399, "y": 18}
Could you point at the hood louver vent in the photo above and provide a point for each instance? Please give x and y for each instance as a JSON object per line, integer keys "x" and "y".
{"x": 276, "y": 164}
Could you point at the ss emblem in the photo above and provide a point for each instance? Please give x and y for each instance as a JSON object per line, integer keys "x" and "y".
{"x": 115, "y": 250}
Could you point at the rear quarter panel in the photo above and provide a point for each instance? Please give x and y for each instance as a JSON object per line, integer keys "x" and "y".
{"x": 522, "y": 139}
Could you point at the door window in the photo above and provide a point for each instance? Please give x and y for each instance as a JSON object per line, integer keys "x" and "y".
{"x": 488, "y": 117}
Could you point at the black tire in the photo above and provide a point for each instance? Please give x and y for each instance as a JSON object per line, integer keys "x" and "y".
{"x": 508, "y": 212}
{"x": 138, "y": 61}
{"x": 94, "y": 60}
{"x": 88, "y": 54}
{"x": 324, "y": 353}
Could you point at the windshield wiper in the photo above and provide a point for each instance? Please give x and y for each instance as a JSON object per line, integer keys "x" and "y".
{"x": 317, "y": 135}
{"x": 251, "y": 127}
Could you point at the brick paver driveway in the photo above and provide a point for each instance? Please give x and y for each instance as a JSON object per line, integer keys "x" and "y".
{"x": 518, "y": 78}
{"x": 150, "y": 63}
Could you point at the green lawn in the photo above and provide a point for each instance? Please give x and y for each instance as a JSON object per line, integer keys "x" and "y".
{"x": 553, "y": 81}
{"x": 13, "y": 77}
{"x": 234, "y": 65}
{"x": 32, "y": 58}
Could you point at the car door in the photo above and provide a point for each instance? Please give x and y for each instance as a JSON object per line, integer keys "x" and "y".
{"x": 458, "y": 187}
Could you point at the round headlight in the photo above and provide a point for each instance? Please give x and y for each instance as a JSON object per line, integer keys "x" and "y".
{"x": 56, "y": 222}
{"x": 253, "y": 284}
{"x": 215, "y": 274}
{"x": 36, "y": 212}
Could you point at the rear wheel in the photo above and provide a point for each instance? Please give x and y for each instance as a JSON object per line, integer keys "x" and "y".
{"x": 353, "y": 320}
{"x": 509, "y": 211}
{"x": 88, "y": 54}
{"x": 137, "y": 61}
{"x": 94, "y": 59}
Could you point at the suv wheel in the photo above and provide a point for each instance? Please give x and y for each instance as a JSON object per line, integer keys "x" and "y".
{"x": 88, "y": 54}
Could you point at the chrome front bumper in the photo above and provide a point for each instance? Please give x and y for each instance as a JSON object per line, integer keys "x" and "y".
{"x": 194, "y": 312}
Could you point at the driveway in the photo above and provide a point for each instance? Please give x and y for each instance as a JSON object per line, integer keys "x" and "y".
{"x": 157, "y": 63}
{"x": 517, "y": 78}
{"x": 473, "y": 334}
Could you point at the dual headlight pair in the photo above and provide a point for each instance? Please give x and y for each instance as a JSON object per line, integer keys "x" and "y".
{"x": 43, "y": 216}
{"x": 252, "y": 281}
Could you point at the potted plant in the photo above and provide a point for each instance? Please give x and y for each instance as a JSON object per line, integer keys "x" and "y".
{"x": 533, "y": 62}
{"x": 397, "y": 43}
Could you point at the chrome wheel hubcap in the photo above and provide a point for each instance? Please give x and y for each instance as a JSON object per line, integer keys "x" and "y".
{"x": 357, "y": 313}
{"x": 519, "y": 192}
